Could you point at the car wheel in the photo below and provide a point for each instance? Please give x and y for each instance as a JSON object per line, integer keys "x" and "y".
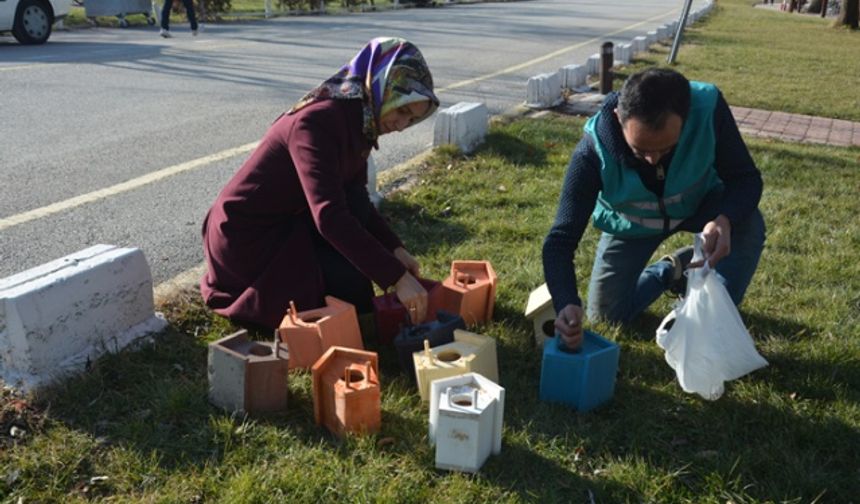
{"x": 33, "y": 22}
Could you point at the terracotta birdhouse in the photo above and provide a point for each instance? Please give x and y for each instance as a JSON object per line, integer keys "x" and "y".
{"x": 470, "y": 290}
{"x": 347, "y": 397}
{"x": 248, "y": 376}
{"x": 310, "y": 333}
{"x": 582, "y": 379}
{"x": 540, "y": 311}
{"x": 390, "y": 314}
{"x": 470, "y": 352}
{"x": 466, "y": 418}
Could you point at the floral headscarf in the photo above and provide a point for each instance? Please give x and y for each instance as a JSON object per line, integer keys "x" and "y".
{"x": 386, "y": 74}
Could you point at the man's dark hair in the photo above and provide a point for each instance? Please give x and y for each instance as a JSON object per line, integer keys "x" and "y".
{"x": 651, "y": 95}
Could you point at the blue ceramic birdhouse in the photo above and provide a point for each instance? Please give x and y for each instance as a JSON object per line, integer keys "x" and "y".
{"x": 582, "y": 379}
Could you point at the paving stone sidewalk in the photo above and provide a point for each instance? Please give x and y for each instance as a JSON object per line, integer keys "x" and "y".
{"x": 756, "y": 122}
{"x": 797, "y": 127}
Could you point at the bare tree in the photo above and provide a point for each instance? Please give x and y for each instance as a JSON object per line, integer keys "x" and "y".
{"x": 849, "y": 13}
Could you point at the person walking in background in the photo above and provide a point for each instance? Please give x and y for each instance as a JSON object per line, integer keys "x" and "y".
{"x": 165, "y": 17}
{"x": 295, "y": 223}
{"x": 664, "y": 155}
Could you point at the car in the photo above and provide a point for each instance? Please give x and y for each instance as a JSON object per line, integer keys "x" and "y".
{"x": 30, "y": 21}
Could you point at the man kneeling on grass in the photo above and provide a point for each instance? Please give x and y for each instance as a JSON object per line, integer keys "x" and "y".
{"x": 664, "y": 155}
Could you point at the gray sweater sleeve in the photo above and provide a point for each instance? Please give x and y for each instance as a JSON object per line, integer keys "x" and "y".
{"x": 578, "y": 197}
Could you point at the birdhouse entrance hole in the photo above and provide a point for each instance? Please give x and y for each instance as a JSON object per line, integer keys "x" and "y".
{"x": 448, "y": 356}
{"x": 548, "y": 328}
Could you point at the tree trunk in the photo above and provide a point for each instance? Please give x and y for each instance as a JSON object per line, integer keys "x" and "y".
{"x": 849, "y": 13}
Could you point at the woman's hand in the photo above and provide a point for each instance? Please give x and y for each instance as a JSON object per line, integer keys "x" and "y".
{"x": 413, "y": 296}
{"x": 406, "y": 258}
{"x": 569, "y": 326}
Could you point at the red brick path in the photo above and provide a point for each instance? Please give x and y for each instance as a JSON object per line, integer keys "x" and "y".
{"x": 797, "y": 127}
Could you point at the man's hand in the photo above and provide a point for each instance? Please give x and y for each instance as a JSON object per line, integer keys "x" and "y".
{"x": 413, "y": 296}
{"x": 406, "y": 258}
{"x": 718, "y": 241}
{"x": 569, "y": 326}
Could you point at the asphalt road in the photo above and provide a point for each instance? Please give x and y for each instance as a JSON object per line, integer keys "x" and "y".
{"x": 118, "y": 136}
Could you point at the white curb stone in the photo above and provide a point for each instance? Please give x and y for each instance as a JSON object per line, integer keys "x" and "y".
{"x": 592, "y": 66}
{"x": 464, "y": 125}
{"x": 372, "y": 189}
{"x": 623, "y": 53}
{"x": 544, "y": 91}
{"x": 639, "y": 44}
{"x": 572, "y": 76}
{"x": 56, "y": 317}
{"x": 651, "y": 38}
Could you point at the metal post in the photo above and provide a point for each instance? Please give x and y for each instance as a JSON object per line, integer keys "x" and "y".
{"x": 606, "y": 59}
{"x": 681, "y": 23}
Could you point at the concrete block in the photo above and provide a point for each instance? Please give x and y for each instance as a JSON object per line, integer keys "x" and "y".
{"x": 466, "y": 419}
{"x": 640, "y": 44}
{"x": 573, "y": 76}
{"x": 372, "y": 185}
{"x": 592, "y": 65}
{"x": 623, "y": 54}
{"x": 463, "y": 124}
{"x": 651, "y": 37}
{"x": 663, "y": 32}
{"x": 57, "y": 316}
{"x": 248, "y": 376}
{"x": 544, "y": 91}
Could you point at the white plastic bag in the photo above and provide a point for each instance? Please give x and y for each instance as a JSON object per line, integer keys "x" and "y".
{"x": 708, "y": 343}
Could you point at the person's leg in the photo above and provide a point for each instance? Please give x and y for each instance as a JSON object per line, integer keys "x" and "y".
{"x": 189, "y": 11}
{"x": 165, "y": 14}
{"x": 621, "y": 287}
{"x": 739, "y": 266}
{"x": 341, "y": 278}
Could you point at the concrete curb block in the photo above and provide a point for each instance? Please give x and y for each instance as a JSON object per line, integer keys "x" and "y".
{"x": 463, "y": 124}
{"x": 544, "y": 91}
{"x": 58, "y": 316}
{"x": 623, "y": 54}
{"x": 372, "y": 189}
{"x": 572, "y": 76}
{"x": 640, "y": 44}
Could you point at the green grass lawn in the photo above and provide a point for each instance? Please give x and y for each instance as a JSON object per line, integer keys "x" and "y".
{"x": 787, "y": 433}
{"x": 764, "y": 58}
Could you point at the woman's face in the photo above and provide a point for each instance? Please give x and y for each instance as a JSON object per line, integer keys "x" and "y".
{"x": 402, "y": 117}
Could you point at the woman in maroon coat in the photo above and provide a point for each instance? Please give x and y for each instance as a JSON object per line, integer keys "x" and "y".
{"x": 295, "y": 223}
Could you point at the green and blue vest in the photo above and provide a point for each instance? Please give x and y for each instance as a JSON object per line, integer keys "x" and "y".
{"x": 626, "y": 208}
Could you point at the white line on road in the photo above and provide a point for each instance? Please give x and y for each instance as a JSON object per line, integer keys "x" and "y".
{"x": 149, "y": 178}
{"x": 128, "y": 185}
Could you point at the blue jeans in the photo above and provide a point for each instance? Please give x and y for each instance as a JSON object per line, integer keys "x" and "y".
{"x": 189, "y": 11}
{"x": 622, "y": 287}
